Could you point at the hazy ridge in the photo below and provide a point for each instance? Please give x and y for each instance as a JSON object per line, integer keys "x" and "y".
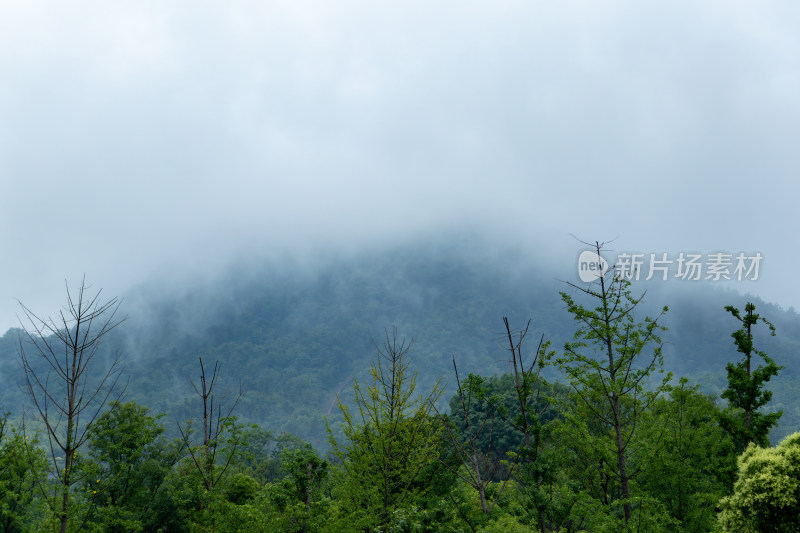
{"x": 295, "y": 337}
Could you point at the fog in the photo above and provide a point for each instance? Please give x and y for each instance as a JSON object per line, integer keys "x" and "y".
{"x": 142, "y": 141}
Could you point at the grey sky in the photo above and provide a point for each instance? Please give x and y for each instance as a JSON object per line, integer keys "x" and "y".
{"x": 144, "y": 138}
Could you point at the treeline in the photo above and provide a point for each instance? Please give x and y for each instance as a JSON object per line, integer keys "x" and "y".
{"x": 297, "y": 340}
{"x": 132, "y": 478}
{"x": 617, "y": 444}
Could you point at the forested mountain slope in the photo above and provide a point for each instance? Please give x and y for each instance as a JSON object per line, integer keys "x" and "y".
{"x": 295, "y": 337}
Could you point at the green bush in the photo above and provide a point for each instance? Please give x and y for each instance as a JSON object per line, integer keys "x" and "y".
{"x": 766, "y": 496}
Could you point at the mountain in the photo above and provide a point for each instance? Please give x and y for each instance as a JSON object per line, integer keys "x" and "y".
{"x": 295, "y": 335}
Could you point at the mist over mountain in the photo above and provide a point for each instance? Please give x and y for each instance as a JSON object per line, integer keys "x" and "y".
{"x": 295, "y": 334}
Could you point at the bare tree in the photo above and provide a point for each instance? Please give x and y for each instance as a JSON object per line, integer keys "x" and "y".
{"x": 481, "y": 469}
{"x": 215, "y": 426}
{"x": 527, "y": 385}
{"x": 66, "y": 379}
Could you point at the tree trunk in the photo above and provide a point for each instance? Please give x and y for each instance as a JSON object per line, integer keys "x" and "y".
{"x": 481, "y": 486}
{"x": 623, "y": 472}
{"x": 621, "y": 466}
{"x": 308, "y": 485}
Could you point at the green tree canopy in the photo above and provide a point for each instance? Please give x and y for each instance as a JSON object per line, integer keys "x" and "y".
{"x": 389, "y": 441}
{"x": 766, "y": 496}
{"x": 745, "y": 393}
{"x": 609, "y": 364}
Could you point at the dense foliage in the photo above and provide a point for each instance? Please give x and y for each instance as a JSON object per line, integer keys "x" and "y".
{"x": 766, "y": 496}
{"x": 564, "y": 440}
{"x": 295, "y": 338}
{"x": 395, "y": 470}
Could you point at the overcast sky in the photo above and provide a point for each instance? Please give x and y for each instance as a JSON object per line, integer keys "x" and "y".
{"x": 139, "y": 138}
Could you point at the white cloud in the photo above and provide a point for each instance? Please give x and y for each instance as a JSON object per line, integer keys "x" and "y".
{"x": 143, "y": 134}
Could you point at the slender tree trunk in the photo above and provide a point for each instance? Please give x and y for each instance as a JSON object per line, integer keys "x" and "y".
{"x": 69, "y": 453}
{"x": 623, "y": 472}
{"x": 751, "y": 392}
{"x": 65, "y": 478}
{"x": 480, "y": 484}
{"x": 308, "y": 485}
{"x": 621, "y": 466}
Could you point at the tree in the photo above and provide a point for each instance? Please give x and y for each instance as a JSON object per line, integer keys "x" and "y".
{"x": 67, "y": 379}
{"x": 261, "y": 453}
{"x": 221, "y": 434}
{"x": 537, "y": 469}
{"x": 477, "y": 465}
{"x": 696, "y": 465}
{"x": 298, "y": 497}
{"x": 608, "y": 365}
{"x": 745, "y": 392}
{"x": 390, "y": 440}
{"x": 493, "y": 430}
{"x": 306, "y": 472}
{"x": 212, "y": 457}
{"x": 766, "y": 496}
{"x": 129, "y": 458}
{"x": 481, "y": 422}
{"x": 23, "y": 470}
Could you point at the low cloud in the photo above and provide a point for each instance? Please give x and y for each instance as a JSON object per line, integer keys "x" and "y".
{"x": 138, "y": 140}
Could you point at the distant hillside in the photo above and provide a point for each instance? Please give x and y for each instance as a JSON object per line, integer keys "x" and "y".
{"x": 295, "y": 338}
